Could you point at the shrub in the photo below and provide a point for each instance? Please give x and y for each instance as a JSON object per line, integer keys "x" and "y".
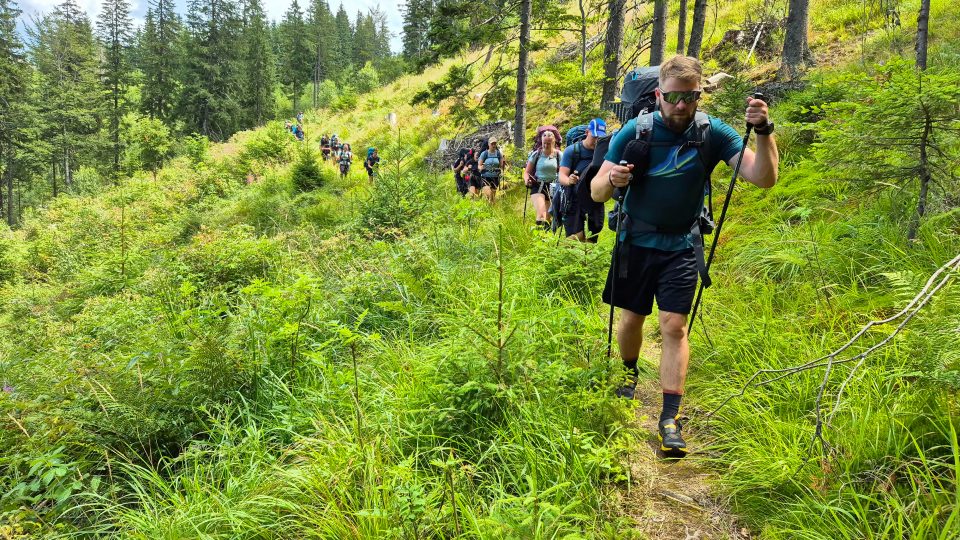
{"x": 306, "y": 173}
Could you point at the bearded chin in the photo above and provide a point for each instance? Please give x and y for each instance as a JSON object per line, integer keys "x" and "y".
{"x": 678, "y": 123}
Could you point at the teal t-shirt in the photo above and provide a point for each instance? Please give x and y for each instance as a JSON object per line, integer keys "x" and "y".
{"x": 491, "y": 164}
{"x": 671, "y": 193}
{"x": 547, "y": 167}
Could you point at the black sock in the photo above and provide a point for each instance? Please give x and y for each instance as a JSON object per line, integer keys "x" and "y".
{"x": 631, "y": 366}
{"x": 671, "y": 405}
{"x": 541, "y": 223}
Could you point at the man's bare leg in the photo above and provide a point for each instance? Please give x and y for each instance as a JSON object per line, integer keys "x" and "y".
{"x": 630, "y": 338}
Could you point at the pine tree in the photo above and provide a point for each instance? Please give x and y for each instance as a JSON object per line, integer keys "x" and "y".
{"x": 161, "y": 60}
{"x": 696, "y": 29}
{"x": 297, "y": 61}
{"x": 364, "y": 40}
{"x": 14, "y": 74}
{"x": 416, "y": 24}
{"x": 71, "y": 96}
{"x": 611, "y": 49}
{"x": 258, "y": 71}
{"x": 208, "y": 104}
{"x": 344, "y": 40}
{"x": 114, "y": 28}
{"x": 322, "y": 32}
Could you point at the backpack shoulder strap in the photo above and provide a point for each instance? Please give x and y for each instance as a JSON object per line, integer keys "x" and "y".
{"x": 644, "y": 126}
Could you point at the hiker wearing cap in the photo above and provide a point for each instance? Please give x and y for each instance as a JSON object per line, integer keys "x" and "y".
{"x": 583, "y": 212}
{"x": 541, "y": 171}
{"x": 669, "y": 155}
{"x": 372, "y": 162}
{"x": 490, "y": 164}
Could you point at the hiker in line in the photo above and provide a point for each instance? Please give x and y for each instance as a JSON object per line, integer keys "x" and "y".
{"x": 660, "y": 252}
{"x": 345, "y": 159}
{"x": 583, "y": 213}
{"x": 491, "y": 164}
{"x": 288, "y": 126}
{"x": 471, "y": 175}
{"x": 461, "y": 170}
{"x": 325, "y": 146}
{"x": 543, "y": 166}
{"x": 371, "y": 163}
{"x": 300, "y": 117}
{"x": 298, "y": 132}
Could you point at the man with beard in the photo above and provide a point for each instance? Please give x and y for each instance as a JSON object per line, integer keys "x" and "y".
{"x": 662, "y": 205}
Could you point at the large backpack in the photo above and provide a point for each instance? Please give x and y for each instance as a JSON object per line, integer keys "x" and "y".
{"x": 638, "y": 94}
{"x": 576, "y": 134}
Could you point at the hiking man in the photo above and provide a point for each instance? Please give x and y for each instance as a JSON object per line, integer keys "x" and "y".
{"x": 300, "y": 117}
{"x": 541, "y": 171}
{"x": 491, "y": 165}
{"x": 657, "y": 259}
{"x": 345, "y": 158}
{"x": 371, "y": 163}
{"x": 584, "y": 213}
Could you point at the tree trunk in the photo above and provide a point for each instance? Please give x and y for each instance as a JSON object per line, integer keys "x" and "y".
{"x": 924, "y": 173}
{"x": 53, "y": 177}
{"x": 520, "y": 118}
{"x": 658, "y": 41}
{"x": 583, "y": 38}
{"x": 611, "y": 50}
{"x": 923, "y": 21}
{"x": 11, "y": 216}
{"x": 696, "y": 30}
{"x": 316, "y": 76}
{"x": 795, "y": 41}
{"x": 682, "y": 26}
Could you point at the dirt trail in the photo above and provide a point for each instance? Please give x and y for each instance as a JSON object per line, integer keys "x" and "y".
{"x": 670, "y": 498}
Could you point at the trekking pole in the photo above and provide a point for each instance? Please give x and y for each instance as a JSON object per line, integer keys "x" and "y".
{"x": 525, "y": 199}
{"x": 614, "y": 268}
{"x": 723, "y": 214}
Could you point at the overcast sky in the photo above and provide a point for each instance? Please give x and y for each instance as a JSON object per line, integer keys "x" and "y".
{"x": 275, "y": 9}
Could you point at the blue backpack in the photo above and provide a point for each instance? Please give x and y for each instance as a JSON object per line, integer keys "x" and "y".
{"x": 576, "y": 134}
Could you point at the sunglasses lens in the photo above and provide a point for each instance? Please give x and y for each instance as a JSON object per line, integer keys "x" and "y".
{"x": 675, "y": 97}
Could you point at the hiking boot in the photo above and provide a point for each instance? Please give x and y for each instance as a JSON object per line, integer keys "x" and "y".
{"x": 629, "y": 387}
{"x": 671, "y": 443}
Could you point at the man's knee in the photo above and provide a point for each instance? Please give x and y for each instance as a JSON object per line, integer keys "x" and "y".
{"x": 673, "y": 325}
{"x": 630, "y": 321}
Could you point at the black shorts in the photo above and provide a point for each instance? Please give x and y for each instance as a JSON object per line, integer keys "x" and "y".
{"x": 668, "y": 276}
{"x": 543, "y": 188}
{"x": 462, "y": 184}
{"x": 491, "y": 182}
{"x": 584, "y": 214}
{"x": 474, "y": 181}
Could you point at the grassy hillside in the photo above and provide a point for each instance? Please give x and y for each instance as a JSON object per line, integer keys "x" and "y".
{"x": 198, "y": 357}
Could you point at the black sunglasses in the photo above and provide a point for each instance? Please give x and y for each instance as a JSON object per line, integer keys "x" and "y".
{"x": 675, "y": 97}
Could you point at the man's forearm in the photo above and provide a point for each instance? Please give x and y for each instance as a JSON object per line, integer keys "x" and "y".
{"x": 767, "y": 161}
{"x": 600, "y": 188}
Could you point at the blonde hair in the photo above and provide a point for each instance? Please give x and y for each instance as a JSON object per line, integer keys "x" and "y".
{"x": 684, "y": 68}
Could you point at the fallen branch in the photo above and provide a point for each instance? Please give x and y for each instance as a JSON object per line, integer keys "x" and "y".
{"x": 937, "y": 281}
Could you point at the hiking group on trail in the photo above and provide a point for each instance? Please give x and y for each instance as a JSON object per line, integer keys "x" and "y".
{"x": 657, "y": 167}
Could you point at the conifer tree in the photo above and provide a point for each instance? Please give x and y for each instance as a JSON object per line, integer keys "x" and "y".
{"x": 13, "y": 83}
{"x": 322, "y": 34}
{"x": 258, "y": 68}
{"x": 114, "y": 29}
{"x": 344, "y": 39}
{"x": 71, "y": 96}
{"x": 208, "y": 103}
{"x": 160, "y": 60}
{"x": 416, "y": 24}
{"x": 296, "y": 64}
